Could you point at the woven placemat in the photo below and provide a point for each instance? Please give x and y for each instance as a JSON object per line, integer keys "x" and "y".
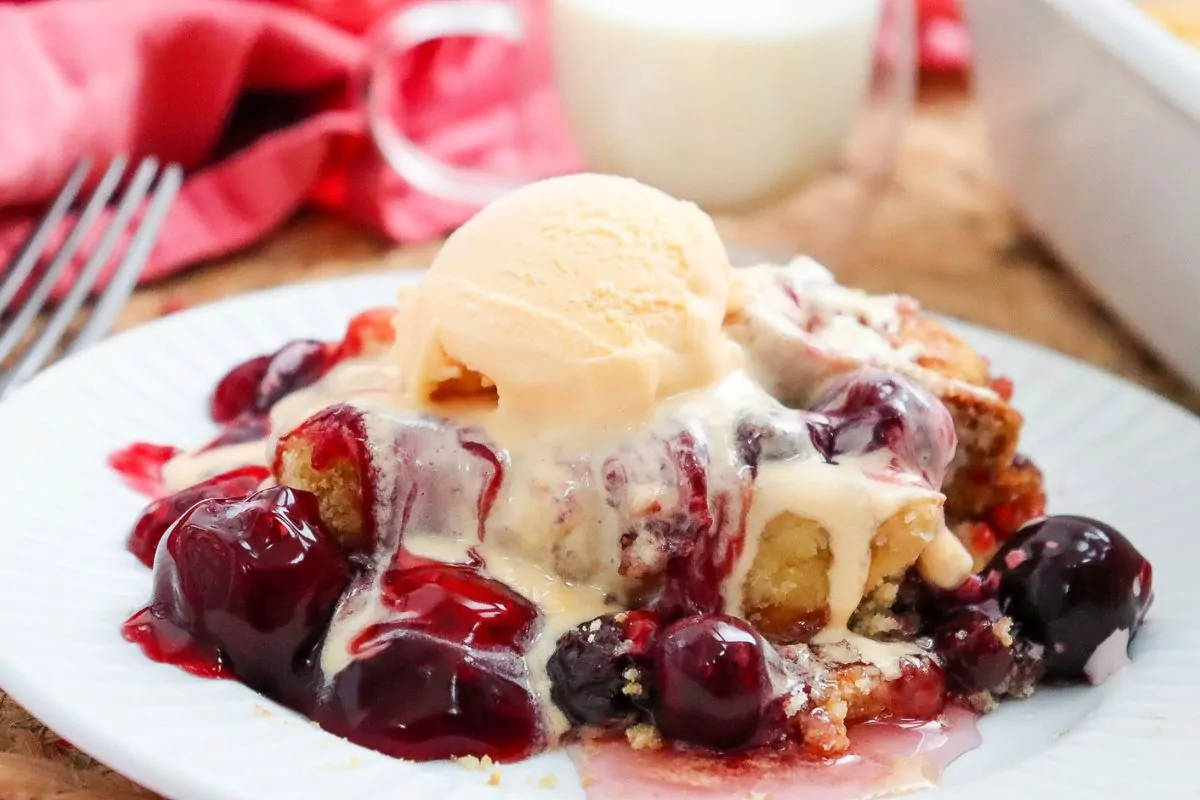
{"x": 942, "y": 232}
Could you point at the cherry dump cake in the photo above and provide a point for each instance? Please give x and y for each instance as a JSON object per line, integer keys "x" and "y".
{"x": 589, "y": 486}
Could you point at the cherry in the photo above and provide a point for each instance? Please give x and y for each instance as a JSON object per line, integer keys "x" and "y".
{"x": 413, "y": 695}
{"x": 458, "y": 604}
{"x": 234, "y": 394}
{"x": 252, "y": 387}
{"x": 141, "y": 464}
{"x": 981, "y": 649}
{"x": 255, "y": 580}
{"x": 295, "y": 365}
{"x": 369, "y": 332}
{"x": 590, "y": 679}
{"x": 713, "y": 686}
{"x": 874, "y": 410}
{"x": 442, "y": 674}
{"x": 821, "y": 433}
{"x": 1072, "y": 584}
{"x": 975, "y": 647}
{"x": 164, "y": 512}
{"x": 587, "y": 675}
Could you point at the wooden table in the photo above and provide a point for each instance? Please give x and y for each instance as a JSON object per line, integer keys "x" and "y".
{"x": 942, "y": 232}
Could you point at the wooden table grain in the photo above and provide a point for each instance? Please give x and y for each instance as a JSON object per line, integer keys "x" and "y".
{"x": 943, "y": 232}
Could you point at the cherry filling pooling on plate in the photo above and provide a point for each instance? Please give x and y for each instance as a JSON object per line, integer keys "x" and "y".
{"x": 246, "y": 588}
{"x": 247, "y": 580}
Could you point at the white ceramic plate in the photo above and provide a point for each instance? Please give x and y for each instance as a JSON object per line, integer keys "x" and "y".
{"x": 66, "y": 582}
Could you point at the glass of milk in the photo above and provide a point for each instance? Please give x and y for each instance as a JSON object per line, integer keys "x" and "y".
{"x": 781, "y": 117}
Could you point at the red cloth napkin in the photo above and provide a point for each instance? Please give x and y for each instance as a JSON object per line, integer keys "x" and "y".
{"x": 942, "y": 39}
{"x": 259, "y": 103}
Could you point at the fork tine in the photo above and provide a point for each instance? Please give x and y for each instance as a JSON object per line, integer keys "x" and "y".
{"x": 20, "y": 324}
{"x": 126, "y": 276}
{"x": 27, "y": 258}
{"x": 33, "y": 358}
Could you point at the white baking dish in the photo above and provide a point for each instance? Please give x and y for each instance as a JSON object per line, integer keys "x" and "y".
{"x": 1094, "y": 114}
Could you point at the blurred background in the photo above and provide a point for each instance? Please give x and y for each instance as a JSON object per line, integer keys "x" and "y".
{"x": 1014, "y": 164}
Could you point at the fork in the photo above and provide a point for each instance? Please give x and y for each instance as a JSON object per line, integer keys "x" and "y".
{"x": 100, "y": 317}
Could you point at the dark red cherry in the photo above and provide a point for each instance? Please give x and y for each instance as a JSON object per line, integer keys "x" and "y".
{"x": 256, "y": 579}
{"x": 975, "y": 644}
{"x": 874, "y": 410}
{"x": 1078, "y": 587}
{"x": 590, "y": 677}
{"x": 164, "y": 512}
{"x": 412, "y": 695}
{"x": 252, "y": 387}
{"x": 712, "y": 682}
{"x": 295, "y": 365}
{"x": 235, "y": 393}
{"x": 141, "y": 464}
{"x": 458, "y": 604}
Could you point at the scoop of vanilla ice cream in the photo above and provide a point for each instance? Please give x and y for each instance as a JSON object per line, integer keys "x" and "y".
{"x": 574, "y": 298}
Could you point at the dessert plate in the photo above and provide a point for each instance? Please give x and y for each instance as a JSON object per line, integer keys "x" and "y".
{"x": 1109, "y": 450}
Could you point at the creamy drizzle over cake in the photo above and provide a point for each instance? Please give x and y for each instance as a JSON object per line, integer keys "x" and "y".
{"x": 556, "y": 514}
